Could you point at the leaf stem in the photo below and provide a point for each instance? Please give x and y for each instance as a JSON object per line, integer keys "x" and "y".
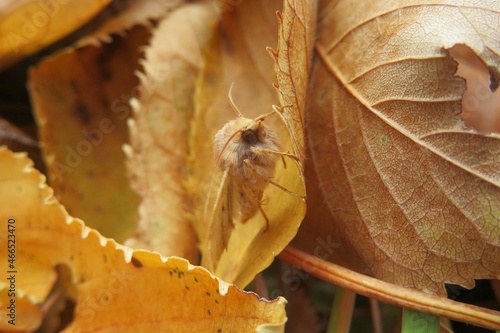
{"x": 391, "y": 293}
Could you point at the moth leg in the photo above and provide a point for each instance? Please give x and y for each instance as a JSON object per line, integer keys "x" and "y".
{"x": 248, "y": 164}
{"x": 279, "y": 110}
{"x": 281, "y": 153}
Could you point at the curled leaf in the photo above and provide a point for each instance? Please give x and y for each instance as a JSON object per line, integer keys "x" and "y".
{"x": 159, "y": 131}
{"x": 236, "y": 54}
{"x": 117, "y": 288}
{"x": 28, "y": 26}
{"x": 81, "y": 102}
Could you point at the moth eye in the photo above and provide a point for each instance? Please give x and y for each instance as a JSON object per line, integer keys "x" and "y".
{"x": 250, "y": 137}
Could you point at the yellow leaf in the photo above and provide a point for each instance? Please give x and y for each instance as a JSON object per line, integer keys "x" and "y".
{"x": 81, "y": 103}
{"x": 27, "y": 26}
{"x": 117, "y": 288}
{"x": 236, "y": 54}
{"x": 159, "y": 131}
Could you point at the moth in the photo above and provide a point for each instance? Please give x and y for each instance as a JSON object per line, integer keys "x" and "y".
{"x": 246, "y": 151}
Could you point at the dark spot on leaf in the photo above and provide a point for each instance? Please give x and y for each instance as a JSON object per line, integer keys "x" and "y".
{"x": 136, "y": 262}
{"x": 195, "y": 279}
{"x": 219, "y": 330}
{"x": 209, "y": 312}
{"x": 187, "y": 287}
{"x": 103, "y": 62}
{"x": 81, "y": 112}
{"x": 207, "y": 293}
{"x": 216, "y": 301}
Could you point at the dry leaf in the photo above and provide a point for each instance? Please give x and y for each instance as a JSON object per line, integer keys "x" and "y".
{"x": 159, "y": 131}
{"x": 117, "y": 288}
{"x": 415, "y": 193}
{"x": 292, "y": 59}
{"x": 237, "y": 55}
{"x": 318, "y": 234}
{"x": 80, "y": 99}
{"x": 27, "y": 26}
{"x": 124, "y": 16}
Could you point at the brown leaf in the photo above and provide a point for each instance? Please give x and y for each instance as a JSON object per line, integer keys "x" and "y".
{"x": 237, "y": 55}
{"x": 416, "y": 194}
{"x": 318, "y": 234}
{"x": 117, "y": 288}
{"x": 292, "y": 61}
{"x": 28, "y": 26}
{"x": 159, "y": 131}
{"x": 80, "y": 100}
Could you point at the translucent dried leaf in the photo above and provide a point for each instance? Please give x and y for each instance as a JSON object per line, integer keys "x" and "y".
{"x": 292, "y": 59}
{"x": 159, "y": 131}
{"x": 237, "y": 55}
{"x": 81, "y": 102}
{"x": 27, "y": 26}
{"x": 414, "y": 192}
{"x": 118, "y": 289}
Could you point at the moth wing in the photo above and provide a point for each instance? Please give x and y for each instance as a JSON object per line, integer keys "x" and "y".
{"x": 220, "y": 223}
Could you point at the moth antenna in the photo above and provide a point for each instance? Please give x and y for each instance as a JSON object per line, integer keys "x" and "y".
{"x": 233, "y": 105}
{"x": 279, "y": 111}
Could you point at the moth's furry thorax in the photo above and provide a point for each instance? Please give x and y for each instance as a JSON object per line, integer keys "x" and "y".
{"x": 245, "y": 139}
